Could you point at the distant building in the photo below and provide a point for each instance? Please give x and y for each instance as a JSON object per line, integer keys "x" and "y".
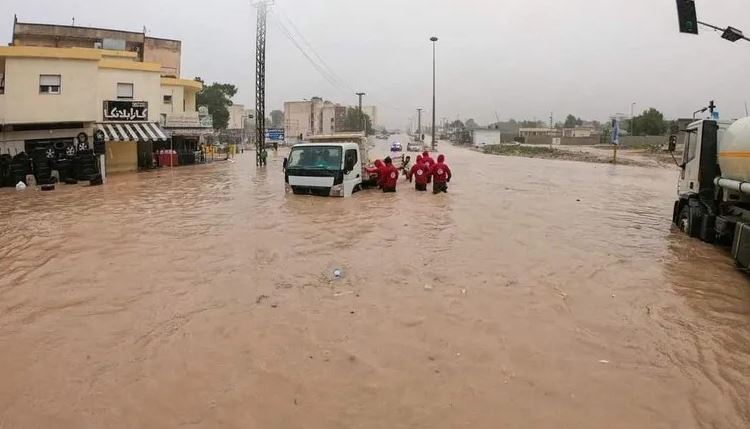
{"x": 534, "y": 132}
{"x": 312, "y": 117}
{"x": 484, "y": 137}
{"x": 372, "y": 112}
{"x": 239, "y": 116}
{"x": 578, "y": 132}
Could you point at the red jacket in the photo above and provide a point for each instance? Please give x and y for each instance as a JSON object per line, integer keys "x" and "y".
{"x": 421, "y": 173}
{"x": 390, "y": 176}
{"x": 426, "y": 158}
{"x": 380, "y": 166}
{"x": 440, "y": 171}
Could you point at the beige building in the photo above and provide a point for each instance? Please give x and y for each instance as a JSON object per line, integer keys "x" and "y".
{"x": 372, "y": 112}
{"x": 303, "y": 119}
{"x": 58, "y": 86}
{"x": 534, "y": 132}
{"x": 578, "y": 132}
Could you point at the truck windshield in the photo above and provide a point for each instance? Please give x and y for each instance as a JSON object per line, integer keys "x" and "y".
{"x": 316, "y": 157}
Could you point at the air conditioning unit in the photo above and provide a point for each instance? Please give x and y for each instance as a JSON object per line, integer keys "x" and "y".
{"x": 98, "y": 45}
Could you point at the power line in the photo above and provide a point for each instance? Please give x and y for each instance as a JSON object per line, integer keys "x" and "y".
{"x": 337, "y": 78}
{"x": 323, "y": 72}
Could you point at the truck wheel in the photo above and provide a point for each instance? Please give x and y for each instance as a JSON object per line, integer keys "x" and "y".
{"x": 688, "y": 221}
{"x": 708, "y": 229}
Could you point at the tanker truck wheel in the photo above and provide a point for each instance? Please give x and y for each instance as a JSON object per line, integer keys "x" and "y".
{"x": 683, "y": 221}
{"x": 689, "y": 221}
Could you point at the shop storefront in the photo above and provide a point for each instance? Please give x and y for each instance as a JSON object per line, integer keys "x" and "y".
{"x": 130, "y": 139}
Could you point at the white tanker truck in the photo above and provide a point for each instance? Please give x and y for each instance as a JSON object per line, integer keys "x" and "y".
{"x": 714, "y": 185}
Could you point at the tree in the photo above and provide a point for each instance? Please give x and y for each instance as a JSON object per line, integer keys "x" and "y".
{"x": 457, "y": 124}
{"x": 277, "y": 119}
{"x": 472, "y": 125}
{"x": 530, "y": 124}
{"x": 649, "y": 123}
{"x": 353, "y": 121}
{"x": 217, "y": 97}
{"x": 571, "y": 121}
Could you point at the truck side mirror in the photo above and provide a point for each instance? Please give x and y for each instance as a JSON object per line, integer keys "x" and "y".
{"x": 286, "y": 162}
{"x": 672, "y": 143}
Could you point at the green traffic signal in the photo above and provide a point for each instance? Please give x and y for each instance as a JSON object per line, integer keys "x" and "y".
{"x": 687, "y": 16}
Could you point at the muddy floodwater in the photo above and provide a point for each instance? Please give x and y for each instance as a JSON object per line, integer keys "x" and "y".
{"x": 535, "y": 294}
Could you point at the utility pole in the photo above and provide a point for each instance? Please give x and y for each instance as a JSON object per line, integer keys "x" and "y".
{"x": 433, "y": 39}
{"x": 260, "y": 81}
{"x": 361, "y": 116}
{"x": 419, "y": 124}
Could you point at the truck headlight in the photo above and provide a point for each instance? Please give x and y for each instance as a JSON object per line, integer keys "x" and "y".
{"x": 337, "y": 191}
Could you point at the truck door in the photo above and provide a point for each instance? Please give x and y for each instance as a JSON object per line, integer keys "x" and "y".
{"x": 353, "y": 177}
{"x": 689, "y": 183}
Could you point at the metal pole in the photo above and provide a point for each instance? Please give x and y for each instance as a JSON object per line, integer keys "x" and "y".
{"x": 419, "y": 124}
{"x": 260, "y": 82}
{"x": 433, "y": 39}
{"x": 361, "y": 116}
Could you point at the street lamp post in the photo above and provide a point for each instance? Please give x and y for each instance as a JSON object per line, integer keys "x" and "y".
{"x": 433, "y": 39}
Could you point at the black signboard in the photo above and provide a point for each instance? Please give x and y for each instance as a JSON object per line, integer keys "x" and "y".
{"x": 125, "y": 111}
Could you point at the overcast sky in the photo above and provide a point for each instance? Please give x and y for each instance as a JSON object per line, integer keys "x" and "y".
{"x": 518, "y": 59}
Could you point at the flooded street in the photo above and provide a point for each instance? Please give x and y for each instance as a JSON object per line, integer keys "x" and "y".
{"x": 535, "y": 294}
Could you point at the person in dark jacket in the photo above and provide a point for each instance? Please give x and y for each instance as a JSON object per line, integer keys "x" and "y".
{"x": 441, "y": 175}
{"x": 390, "y": 176}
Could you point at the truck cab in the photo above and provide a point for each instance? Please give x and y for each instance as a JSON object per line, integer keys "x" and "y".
{"x": 328, "y": 165}
{"x": 714, "y": 184}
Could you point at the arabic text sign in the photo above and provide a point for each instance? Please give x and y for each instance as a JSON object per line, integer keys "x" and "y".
{"x": 275, "y": 134}
{"x": 125, "y": 111}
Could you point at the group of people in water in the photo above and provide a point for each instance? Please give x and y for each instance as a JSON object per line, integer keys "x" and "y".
{"x": 424, "y": 171}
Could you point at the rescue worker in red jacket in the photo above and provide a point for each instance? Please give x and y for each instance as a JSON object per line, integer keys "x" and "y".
{"x": 441, "y": 175}
{"x": 380, "y": 166}
{"x": 390, "y": 178}
{"x": 420, "y": 172}
{"x": 427, "y": 158}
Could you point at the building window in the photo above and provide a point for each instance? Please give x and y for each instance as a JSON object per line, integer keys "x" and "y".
{"x": 2, "y": 83}
{"x": 124, "y": 91}
{"x": 167, "y": 99}
{"x": 50, "y": 83}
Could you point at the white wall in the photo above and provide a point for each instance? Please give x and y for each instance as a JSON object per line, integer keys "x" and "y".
{"x": 25, "y": 104}
{"x": 146, "y": 87}
{"x": 486, "y": 137}
{"x": 178, "y": 98}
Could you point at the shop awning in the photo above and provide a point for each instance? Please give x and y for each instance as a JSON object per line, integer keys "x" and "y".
{"x": 142, "y": 131}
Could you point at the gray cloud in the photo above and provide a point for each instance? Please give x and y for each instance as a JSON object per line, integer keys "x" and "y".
{"x": 519, "y": 58}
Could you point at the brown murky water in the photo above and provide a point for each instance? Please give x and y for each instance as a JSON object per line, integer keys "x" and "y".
{"x": 203, "y": 297}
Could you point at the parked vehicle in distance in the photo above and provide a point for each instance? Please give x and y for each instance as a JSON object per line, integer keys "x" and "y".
{"x": 396, "y": 147}
{"x": 414, "y": 146}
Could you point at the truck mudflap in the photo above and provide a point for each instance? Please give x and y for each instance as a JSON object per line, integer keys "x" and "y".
{"x": 741, "y": 245}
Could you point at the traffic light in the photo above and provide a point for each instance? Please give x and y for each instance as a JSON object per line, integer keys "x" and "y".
{"x": 687, "y": 16}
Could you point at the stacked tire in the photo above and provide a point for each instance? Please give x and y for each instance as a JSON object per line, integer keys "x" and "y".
{"x": 84, "y": 165}
{"x": 42, "y": 162}
{"x": 5, "y": 177}
{"x": 64, "y": 167}
{"x": 20, "y": 166}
